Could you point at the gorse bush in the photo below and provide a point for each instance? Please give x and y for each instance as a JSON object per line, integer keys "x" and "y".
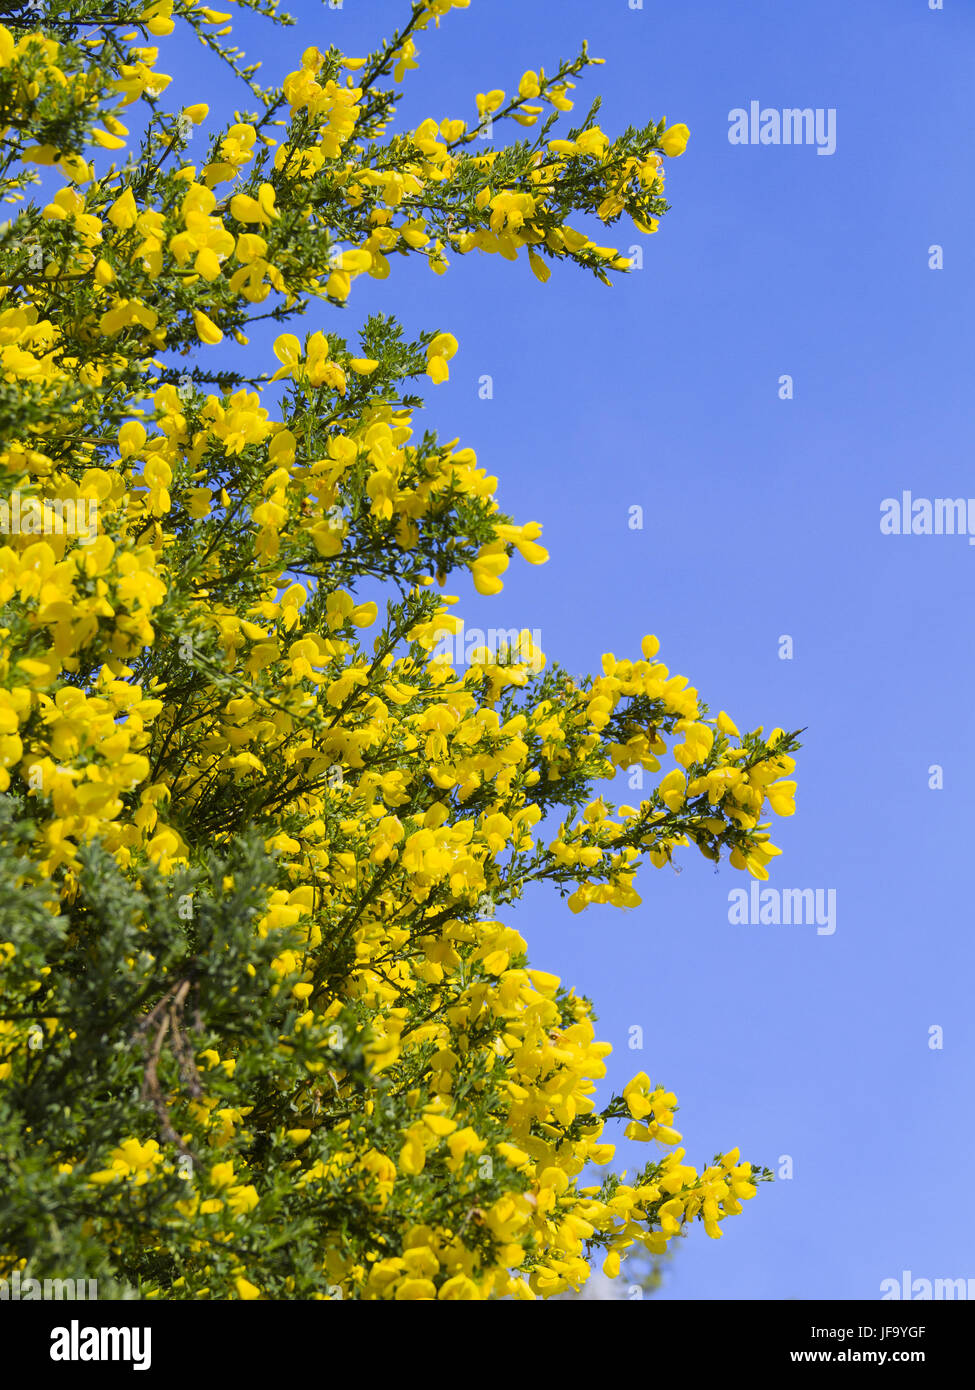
{"x": 267, "y": 1028}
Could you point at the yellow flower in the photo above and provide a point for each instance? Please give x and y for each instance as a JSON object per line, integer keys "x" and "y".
{"x": 727, "y": 725}
{"x": 674, "y": 140}
{"x": 206, "y": 330}
{"x": 439, "y": 353}
{"x": 260, "y": 210}
{"x": 123, "y": 213}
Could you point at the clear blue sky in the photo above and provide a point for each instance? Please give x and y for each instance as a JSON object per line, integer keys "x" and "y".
{"x": 762, "y": 519}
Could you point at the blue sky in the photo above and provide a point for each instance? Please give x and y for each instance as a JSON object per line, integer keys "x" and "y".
{"x": 761, "y": 519}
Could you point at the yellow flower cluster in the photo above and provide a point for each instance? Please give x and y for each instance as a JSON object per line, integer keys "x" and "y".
{"x": 202, "y": 663}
